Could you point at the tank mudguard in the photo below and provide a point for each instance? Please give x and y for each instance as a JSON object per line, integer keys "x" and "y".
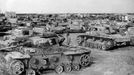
{"x": 122, "y": 39}
{"x": 16, "y": 55}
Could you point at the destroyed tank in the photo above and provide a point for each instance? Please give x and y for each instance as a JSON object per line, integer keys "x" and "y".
{"x": 11, "y": 40}
{"x": 51, "y": 55}
{"x": 104, "y": 38}
{"x": 43, "y": 32}
{"x": 20, "y": 35}
{"x": 13, "y": 62}
{"x": 59, "y": 29}
{"x": 4, "y": 26}
{"x": 75, "y": 28}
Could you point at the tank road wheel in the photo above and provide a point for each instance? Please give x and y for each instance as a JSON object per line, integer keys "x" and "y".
{"x": 76, "y": 67}
{"x": 110, "y": 44}
{"x": 59, "y": 69}
{"x": 33, "y": 63}
{"x": 16, "y": 67}
{"x": 67, "y": 68}
{"x": 84, "y": 60}
{"x": 30, "y": 72}
{"x": 104, "y": 47}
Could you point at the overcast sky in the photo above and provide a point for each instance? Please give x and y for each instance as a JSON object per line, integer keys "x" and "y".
{"x": 68, "y": 6}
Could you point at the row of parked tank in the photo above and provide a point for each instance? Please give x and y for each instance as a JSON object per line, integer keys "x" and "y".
{"x": 33, "y": 50}
{"x": 24, "y": 51}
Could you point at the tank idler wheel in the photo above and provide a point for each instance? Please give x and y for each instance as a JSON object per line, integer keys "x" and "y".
{"x": 67, "y": 68}
{"x": 59, "y": 69}
{"x": 30, "y": 72}
{"x": 33, "y": 63}
{"x": 84, "y": 60}
{"x": 76, "y": 67}
{"x": 103, "y": 47}
{"x": 16, "y": 67}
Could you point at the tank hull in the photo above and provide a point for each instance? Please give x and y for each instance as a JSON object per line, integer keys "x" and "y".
{"x": 102, "y": 42}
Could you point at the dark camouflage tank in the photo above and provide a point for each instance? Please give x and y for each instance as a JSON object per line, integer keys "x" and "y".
{"x": 49, "y": 54}
{"x": 59, "y": 58}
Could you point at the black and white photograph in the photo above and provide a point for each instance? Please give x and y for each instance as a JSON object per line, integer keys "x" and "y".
{"x": 66, "y": 37}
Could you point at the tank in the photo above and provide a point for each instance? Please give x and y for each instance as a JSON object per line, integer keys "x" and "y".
{"x": 58, "y": 29}
{"x": 10, "y": 40}
{"x": 75, "y": 28}
{"x": 58, "y": 58}
{"x": 4, "y": 26}
{"x": 104, "y": 38}
{"x": 13, "y": 61}
{"x": 43, "y": 32}
{"x": 21, "y": 35}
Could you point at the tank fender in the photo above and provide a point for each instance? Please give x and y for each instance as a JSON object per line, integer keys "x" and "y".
{"x": 16, "y": 55}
